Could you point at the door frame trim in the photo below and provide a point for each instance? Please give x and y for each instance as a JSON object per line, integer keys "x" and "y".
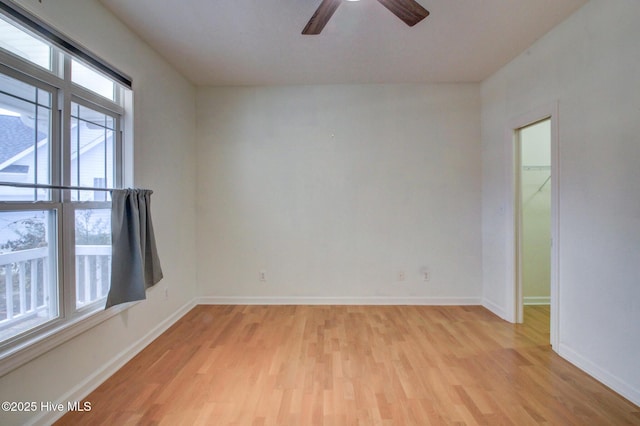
{"x": 514, "y": 298}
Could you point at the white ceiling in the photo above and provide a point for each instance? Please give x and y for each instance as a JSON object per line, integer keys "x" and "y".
{"x": 259, "y": 42}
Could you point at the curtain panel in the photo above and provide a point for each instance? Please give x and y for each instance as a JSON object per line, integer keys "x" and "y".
{"x": 135, "y": 265}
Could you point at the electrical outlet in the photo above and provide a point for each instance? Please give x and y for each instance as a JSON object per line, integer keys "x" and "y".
{"x": 262, "y": 275}
{"x": 426, "y": 276}
{"x": 401, "y": 276}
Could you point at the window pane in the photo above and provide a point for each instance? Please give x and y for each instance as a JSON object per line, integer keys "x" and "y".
{"x": 28, "y": 284}
{"x": 25, "y": 45}
{"x": 92, "y": 153}
{"x": 25, "y": 128}
{"x": 92, "y": 80}
{"x": 93, "y": 255}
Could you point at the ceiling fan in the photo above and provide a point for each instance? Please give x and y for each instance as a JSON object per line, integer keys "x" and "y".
{"x": 408, "y": 11}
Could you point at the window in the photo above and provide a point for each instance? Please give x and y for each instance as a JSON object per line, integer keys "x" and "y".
{"x": 62, "y": 113}
{"x": 23, "y": 44}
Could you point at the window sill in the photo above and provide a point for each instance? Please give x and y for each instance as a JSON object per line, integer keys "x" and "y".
{"x": 20, "y": 354}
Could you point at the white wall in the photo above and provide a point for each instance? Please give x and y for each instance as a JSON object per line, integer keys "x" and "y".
{"x": 165, "y": 162}
{"x": 590, "y": 65}
{"x": 334, "y": 190}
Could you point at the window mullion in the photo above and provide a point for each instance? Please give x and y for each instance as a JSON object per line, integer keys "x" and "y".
{"x": 57, "y": 269}
{"x": 65, "y": 146}
{"x": 63, "y": 160}
{"x": 106, "y": 154}
{"x": 35, "y": 143}
{"x": 118, "y": 166}
{"x": 68, "y": 261}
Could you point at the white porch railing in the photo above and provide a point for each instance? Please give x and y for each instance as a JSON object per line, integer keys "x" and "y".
{"x": 26, "y": 279}
{"x": 93, "y": 273}
{"x": 25, "y": 286}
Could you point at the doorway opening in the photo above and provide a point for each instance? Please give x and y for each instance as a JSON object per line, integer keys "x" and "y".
{"x": 534, "y": 219}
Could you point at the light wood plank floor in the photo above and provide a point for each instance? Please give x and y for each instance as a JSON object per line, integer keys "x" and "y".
{"x": 353, "y": 365}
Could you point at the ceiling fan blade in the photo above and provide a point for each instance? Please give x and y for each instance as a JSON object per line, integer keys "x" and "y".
{"x": 409, "y": 11}
{"x": 321, "y": 17}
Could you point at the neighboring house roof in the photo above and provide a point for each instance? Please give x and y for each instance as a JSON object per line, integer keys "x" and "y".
{"x": 15, "y": 137}
{"x": 16, "y": 142}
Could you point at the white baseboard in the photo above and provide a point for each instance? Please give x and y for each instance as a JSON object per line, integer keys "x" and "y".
{"x": 301, "y": 300}
{"x": 535, "y": 300}
{"x": 498, "y": 310}
{"x": 615, "y": 383}
{"x": 80, "y": 391}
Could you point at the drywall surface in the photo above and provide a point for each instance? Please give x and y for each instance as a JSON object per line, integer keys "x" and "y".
{"x": 589, "y": 65}
{"x": 339, "y": 193}
{"x": 164, "y": 160}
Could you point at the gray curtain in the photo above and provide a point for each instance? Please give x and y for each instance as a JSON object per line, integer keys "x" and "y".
{"x": 135, "y": 265}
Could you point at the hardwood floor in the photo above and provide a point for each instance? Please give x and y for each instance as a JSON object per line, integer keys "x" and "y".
{"x": 353, "y": 365}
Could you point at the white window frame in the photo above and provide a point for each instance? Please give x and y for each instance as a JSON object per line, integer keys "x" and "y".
{"x": 71, "y": 321}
